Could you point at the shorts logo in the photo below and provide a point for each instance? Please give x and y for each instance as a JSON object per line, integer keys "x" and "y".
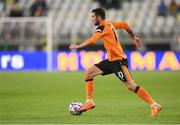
{"x": 120, "y": 74}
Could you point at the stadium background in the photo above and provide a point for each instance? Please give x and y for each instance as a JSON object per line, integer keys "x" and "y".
{"x": 35, "y": 35}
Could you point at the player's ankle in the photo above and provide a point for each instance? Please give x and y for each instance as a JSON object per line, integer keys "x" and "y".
{"x": 89, "y": 100}
{"x": 153, "y": 104}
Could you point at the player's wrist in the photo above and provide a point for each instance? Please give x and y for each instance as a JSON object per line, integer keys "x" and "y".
{"x": 80, "y": 46}
{"x": 133, "y": 37}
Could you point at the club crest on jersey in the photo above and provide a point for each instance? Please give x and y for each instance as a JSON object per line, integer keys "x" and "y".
{"x": 100, "y": 29}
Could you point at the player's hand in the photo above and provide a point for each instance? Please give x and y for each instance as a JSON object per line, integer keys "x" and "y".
{"x": 137, "y": 42}
{"x": 74, "y": 47}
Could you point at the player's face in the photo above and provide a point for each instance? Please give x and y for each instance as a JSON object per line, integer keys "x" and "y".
{"x": 94, "y": 19}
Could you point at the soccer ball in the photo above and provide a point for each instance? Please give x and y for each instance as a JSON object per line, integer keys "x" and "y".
{"x": 74, "y": 107}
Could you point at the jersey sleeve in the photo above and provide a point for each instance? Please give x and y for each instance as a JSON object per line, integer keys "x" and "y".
{"x": 97, "y": 35}
{"x": 120, "y": 25}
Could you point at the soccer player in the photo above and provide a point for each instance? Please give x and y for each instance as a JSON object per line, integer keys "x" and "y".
{"x": 116, "y": 63}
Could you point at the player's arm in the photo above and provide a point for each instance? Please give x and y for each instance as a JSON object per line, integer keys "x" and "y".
{"x": 90, "y": 41}
{"x": 135, "y": 39}
{"x": 125, "y": 25}
{"x": 94, "y": 38}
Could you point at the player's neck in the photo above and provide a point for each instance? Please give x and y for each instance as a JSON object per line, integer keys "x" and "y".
{"x": 102, "y": 22}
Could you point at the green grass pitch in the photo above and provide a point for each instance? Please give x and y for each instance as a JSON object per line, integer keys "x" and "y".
{"x": 41, "y": 97}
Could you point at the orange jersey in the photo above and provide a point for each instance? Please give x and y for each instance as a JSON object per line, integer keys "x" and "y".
{"x": 107, "y": 32}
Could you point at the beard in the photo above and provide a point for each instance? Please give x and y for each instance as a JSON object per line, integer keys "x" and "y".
{"x": 96, "y": 24}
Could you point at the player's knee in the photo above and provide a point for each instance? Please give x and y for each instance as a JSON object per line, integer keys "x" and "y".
{"x": 131, "y": 86}
{"x": 89, "y": 73}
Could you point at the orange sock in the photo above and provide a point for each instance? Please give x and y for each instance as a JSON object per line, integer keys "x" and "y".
{"x": 143, "y": 94}
{"x": 89, "y": 90}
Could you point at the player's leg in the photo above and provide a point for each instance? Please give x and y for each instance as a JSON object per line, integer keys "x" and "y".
{"x": 89, "y": 75}
{"x": 142, "y": 93}
{"x": 101, "y": 68}
{"x": 122, "y": 72}
{"x": 89, "y": 82}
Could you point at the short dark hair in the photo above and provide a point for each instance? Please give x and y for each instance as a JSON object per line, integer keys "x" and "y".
{"x": 99, "y": 12}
